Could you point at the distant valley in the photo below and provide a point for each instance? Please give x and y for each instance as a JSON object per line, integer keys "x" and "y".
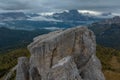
{"x": 13, "y": 39}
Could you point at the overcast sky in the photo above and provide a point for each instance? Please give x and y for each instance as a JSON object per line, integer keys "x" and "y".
{"x": 53, "y": 5}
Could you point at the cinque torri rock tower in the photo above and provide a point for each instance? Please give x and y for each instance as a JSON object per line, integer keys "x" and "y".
{"x": 62, "y": 55}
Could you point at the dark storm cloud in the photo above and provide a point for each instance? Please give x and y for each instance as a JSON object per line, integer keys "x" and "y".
{"x": 50, "y": 5}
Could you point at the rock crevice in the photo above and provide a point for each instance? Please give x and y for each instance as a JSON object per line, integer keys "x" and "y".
{"x": 62, "y": 55}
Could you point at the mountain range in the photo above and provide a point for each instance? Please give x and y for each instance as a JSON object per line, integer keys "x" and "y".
{"x": 17, "y": 29}
{"x": 56, "y": 20}
{"x": 17, "y": 25}
{"x": 107, "y": 32}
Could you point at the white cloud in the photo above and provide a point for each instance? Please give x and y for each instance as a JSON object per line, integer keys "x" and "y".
{"x": 90, "y": 12}
{"x": 42, "y": 18}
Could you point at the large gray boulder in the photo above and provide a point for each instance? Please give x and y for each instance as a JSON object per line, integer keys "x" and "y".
{"x": 63, "y": 55}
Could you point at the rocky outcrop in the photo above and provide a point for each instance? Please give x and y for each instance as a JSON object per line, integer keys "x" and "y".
{"x": 22, "y": 69}
{"x": 62, "y": 55}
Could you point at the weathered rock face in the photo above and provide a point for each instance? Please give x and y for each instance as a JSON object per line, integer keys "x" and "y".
{"x": 62, "y": 55}
{"x": 22, "y": 69}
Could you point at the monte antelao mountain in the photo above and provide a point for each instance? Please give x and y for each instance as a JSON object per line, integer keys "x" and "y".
{"x": 62, "y": 55}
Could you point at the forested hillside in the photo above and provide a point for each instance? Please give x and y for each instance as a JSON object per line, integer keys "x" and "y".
{"x": 10, "y": 39}
{"x": 107, "y": 32}
{"x": 9, "y": 59}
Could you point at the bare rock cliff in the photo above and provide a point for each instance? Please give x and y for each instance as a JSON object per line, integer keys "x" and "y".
{"x": 62, "y": 55}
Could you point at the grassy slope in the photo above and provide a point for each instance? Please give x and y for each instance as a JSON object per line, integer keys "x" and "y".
{"x": 9, "y": 60}
{"x": 110, "y": 59}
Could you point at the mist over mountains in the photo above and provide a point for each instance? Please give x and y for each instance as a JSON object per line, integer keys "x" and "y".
{"x": 56, "y": 20}
{"x": 22, "y": 20}
{"x": 21, "y": 23}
